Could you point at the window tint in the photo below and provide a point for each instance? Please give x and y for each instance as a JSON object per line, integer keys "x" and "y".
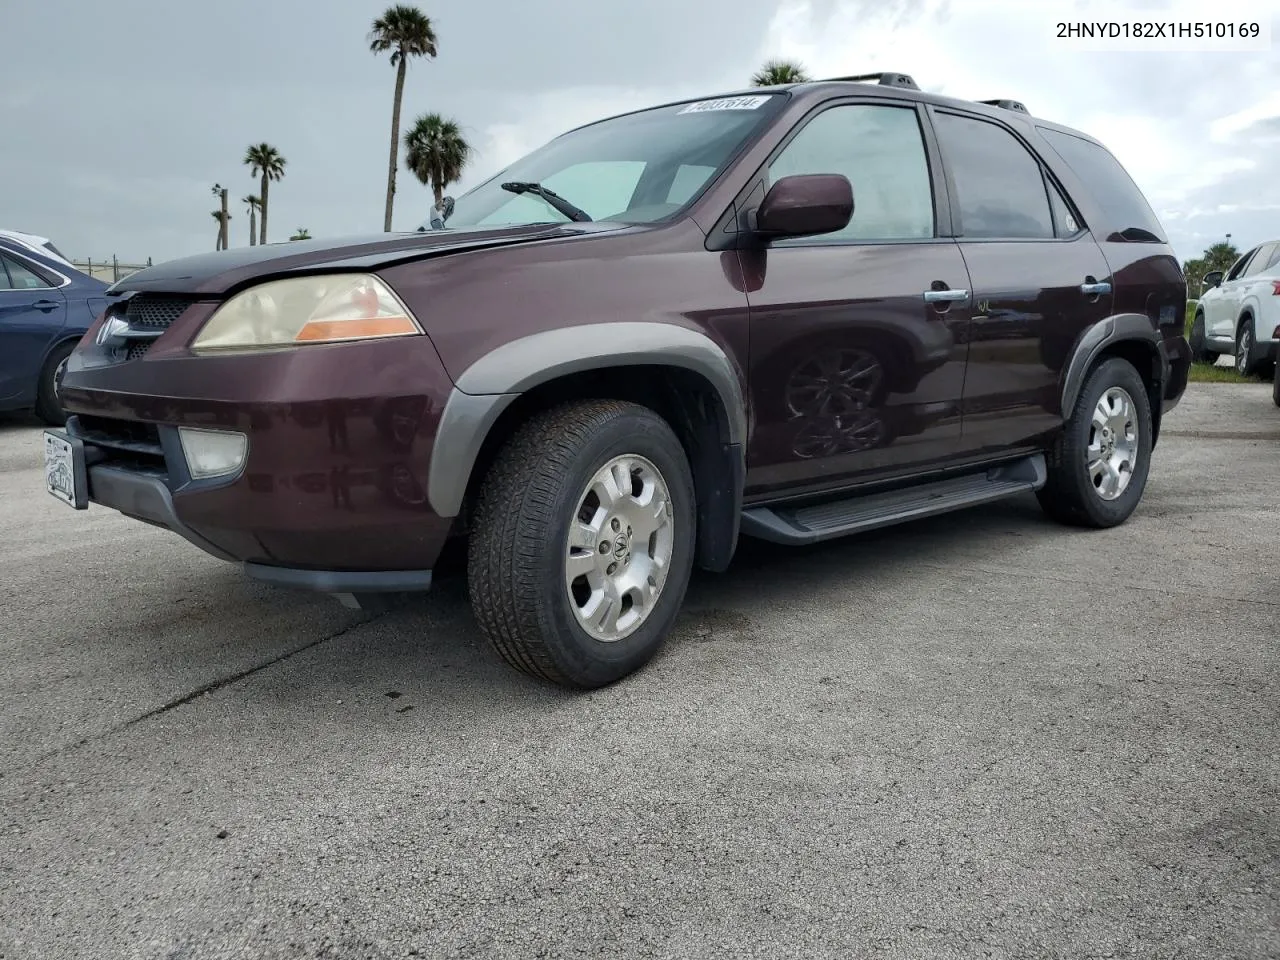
{"x": 17, "y": 277}
{"x": 1113, "y": 189}
{"x": 1065, "y": 222}
{"x": 881, "y": 151}
{"x": 999, "y": 186}
{"x": 1260, "y": 260}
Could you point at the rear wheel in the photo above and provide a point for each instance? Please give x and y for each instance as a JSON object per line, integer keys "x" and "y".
{"x": 1200, "y": 352}
{"x": 1098, "y": 467}
{"x": 582, "y": 543}
{"x": 1275, "y": 385}
{"x": 48, "y": 404}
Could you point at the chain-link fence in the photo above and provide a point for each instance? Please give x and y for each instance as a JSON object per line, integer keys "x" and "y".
{"x": 110, "y": 270}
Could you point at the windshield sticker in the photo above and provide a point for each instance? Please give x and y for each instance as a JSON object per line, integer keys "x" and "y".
{"x": 726, "y": 103}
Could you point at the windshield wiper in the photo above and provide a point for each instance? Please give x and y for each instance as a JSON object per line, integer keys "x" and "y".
{"x": 553, "y": 198}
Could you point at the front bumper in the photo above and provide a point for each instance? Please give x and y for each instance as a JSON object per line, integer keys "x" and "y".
{"x": 332, "y": 492}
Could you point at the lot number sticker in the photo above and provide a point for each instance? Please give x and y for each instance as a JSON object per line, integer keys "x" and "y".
{"x": 726, "y": 103}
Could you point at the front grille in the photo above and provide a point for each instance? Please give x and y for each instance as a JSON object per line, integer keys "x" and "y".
{"x": 155, "y": 312}
{"x": 136, "y": 349}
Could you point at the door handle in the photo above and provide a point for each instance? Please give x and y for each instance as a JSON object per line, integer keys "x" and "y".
{"x": 945, "y": 296}
{"x": 1094, "y": 289}
{"x": 46, "y": 305}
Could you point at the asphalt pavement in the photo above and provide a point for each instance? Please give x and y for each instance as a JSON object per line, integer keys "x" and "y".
{"x": 982, "y": 735}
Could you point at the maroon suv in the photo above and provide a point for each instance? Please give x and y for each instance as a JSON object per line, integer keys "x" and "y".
{"x": 793, "y": 313}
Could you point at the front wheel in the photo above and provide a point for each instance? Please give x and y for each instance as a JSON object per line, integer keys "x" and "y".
{"x": 1246, "y": 361}
{"x": 1098, "y": 466}
{"x": 582, "y": 542}
{"x": 1200, "y": 353}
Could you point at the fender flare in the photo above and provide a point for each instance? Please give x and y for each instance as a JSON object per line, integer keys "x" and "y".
{"x": 1107, "y": 332}
{"x": 487, "y": 387}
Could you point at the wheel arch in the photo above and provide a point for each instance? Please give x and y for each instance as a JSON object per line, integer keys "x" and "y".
{"x": 680, "y": 373}
{"x": 1130, "y": 336}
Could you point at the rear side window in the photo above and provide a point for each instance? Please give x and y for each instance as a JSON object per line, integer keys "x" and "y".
{"x": 1261, "y": 260}
{"x": 999, "y": 186}
{"x": 14, "y": 276}
{"x": 1112, "y": 187}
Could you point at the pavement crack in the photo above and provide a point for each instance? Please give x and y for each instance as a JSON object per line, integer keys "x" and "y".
{"x": 203, "y": 690}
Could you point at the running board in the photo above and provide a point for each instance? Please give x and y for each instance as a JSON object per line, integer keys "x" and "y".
{"x": 837, "y": 518}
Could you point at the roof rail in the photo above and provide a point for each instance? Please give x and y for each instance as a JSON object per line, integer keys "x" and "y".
{"x": 884, "y": 79}
{"x": 1013, "y": 105}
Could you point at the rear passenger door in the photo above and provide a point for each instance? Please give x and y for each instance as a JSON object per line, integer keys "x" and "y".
{"x": 1039, "y": 279}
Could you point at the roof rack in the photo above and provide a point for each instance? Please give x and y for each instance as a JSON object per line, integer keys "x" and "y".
{"x": 1013, "y": 105}
{"x": 884, "y": 79}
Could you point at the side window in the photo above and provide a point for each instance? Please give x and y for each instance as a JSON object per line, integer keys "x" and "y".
{"x": 999, "y": 185}
{"x": 1275, "y": 258}
{"x": 1112, "y": 187}
{"x": 881, "y": 151}
{"x": 14, "y": 276}
{"x": 1260, "y": 260}
{"x": 1238, "y": 267}
{"x": 603, "y": 188}
{"x": 1065, "y": 222}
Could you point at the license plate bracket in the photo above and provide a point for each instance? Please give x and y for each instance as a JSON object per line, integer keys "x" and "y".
{"x": 66, "y": 473}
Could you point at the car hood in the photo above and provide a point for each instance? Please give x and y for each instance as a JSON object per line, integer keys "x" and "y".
{"x": 218, "y": 273}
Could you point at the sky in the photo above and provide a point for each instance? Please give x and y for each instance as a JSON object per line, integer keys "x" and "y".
{"x": 120, "y": 115}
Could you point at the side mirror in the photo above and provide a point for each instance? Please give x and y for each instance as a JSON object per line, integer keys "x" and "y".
{"x": 805, "y": 206}
{"x": 1211, "y": 279}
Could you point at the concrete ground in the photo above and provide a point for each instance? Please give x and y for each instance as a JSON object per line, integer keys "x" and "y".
{"x": 978, "y": 736}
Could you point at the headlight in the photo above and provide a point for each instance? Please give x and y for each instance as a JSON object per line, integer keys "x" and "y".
{"x": 323, "y": 309}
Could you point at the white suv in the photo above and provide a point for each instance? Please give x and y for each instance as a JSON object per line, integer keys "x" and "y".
{"x": 1239, "y": 314}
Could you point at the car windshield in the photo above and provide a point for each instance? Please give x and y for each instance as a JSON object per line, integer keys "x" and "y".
{"x": 637, "y": 168}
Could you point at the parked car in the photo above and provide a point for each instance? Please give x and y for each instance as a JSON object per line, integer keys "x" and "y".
{"x": 1239, "y": 314}
{"x": 749, "y": 314}
{"x": 45, "y": 307}
{"x": 39, "y": 245}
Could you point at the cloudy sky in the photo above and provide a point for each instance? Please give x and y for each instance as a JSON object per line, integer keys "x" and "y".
{"x": 119, "y": 115}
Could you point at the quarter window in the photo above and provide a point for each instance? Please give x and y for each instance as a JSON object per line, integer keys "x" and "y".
{"x": 1000, "y": 188}
{"x": 1261, "y": 260}
{"x": 14, "y": 276}
{"x": 880, "y": 150}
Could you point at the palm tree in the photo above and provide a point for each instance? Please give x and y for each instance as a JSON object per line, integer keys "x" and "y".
{"x": 302, "y": 233}
{"x": 779, "y": 72}
{"x": 222, "y": 227}
{"x": 224, "y": 217}
{"x": 436, "y": 152}
{"x": 264, "y": 159}
{"x": 252, "y": 203}
{"x": 405, "y": 32}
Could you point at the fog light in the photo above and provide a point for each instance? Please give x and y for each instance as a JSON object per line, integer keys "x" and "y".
{"x": 212, "y": 453}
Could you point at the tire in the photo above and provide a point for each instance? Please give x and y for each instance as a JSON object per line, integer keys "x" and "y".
{"x": 1246, "y": 349}
{"x": 1275, "y": 386}
{"x": 48, "y": 408}
{"x": 519, "y": 549}
{"x": 1199, "y": 352}
{"x": 1072, "y": 495}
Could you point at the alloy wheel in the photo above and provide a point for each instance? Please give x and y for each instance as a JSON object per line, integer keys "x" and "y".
{"x": 1112, "y": 454}
{"x": 619, "y": 548}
